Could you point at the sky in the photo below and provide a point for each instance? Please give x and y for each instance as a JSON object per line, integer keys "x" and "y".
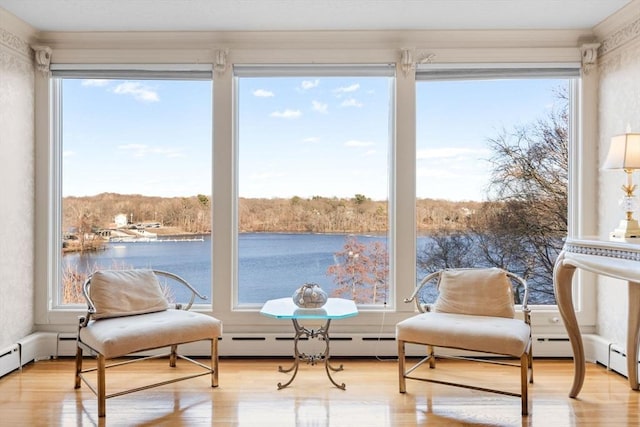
{"x": 324, "y": 136}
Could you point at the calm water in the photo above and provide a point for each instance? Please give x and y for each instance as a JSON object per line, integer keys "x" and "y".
{"x": 271, "y": 265}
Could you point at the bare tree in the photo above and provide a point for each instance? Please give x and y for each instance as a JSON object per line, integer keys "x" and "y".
{"x": 361, "y": 271}
{"x": 447, "y": 249}
{"x": 522, "y": 227}
{"x": 529, "y": 180}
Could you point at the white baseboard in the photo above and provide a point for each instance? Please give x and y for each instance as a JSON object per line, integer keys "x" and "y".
{"x": 9, "y": 359}
{"x": 551, "y": 346}
{"x": 37, "y": 346}
{"x": 341, "y": 345}
{"x": 33, "y": 347}
{"x": 610, "y": 354}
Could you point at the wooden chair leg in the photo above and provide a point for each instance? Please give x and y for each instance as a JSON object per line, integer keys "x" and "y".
{"x": 102, "y": 390}
{"x": 214, "y": 362}
{"x": 432, "y": 359}
{"x": 401, "y": 361}
{"x": 530, "y": 362}
{"x": 173, "y": 356}
{"x": 78, "y": 366}
{"x": 524, "y": 382}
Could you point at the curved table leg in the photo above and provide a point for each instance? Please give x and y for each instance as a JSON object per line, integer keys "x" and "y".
{"x": 562, "y": 275}
{"x": 296, "y": 356}
{"x": 327, "y": 365}
{"x": 321, "y": 333}
{"x": 633, "y": 334}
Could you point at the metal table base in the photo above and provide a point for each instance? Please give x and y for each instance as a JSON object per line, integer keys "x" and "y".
{"x": 322, "y": 333}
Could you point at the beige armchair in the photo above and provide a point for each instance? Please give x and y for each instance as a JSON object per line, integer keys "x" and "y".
{"x": 128, "y": 312}
{"x": 474, "y": 311}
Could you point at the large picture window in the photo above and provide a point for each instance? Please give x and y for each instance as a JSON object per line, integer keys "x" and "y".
{"x": 135, "y": 166}
{"x": 313, "y": 155}
{"x": 492, "y": 168}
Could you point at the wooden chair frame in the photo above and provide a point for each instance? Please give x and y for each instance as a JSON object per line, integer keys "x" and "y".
{"x": 525, "y": 363}
{"x": 173, "y": 355}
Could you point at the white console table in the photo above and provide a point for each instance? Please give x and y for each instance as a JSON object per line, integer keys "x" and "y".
{"x": 613, "y": 259}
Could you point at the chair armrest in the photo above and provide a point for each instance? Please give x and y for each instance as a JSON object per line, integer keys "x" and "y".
{"x": 183, "y": 282}
{"x": 422, "y": 308}
{"x": 83, "y": 321}
{"x": 520, "y": 283}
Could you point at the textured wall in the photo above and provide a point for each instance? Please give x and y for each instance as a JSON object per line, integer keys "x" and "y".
{"x": 619, "y": 110}
{"x": 16, "y": 188}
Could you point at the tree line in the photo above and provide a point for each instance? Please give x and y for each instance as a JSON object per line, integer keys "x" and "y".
{"x": 179, "y": 215}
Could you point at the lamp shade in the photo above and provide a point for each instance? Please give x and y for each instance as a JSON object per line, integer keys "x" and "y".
{"x": 624, "y": 152}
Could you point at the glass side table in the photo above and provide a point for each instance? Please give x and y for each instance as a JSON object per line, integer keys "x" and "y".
{"x": 335, "y": 308}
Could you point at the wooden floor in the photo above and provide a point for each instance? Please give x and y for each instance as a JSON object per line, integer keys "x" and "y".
{"x": 43, "y": 395}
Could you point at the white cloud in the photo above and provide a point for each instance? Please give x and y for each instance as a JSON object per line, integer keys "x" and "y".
{"x": 449, "y": 152}
{"x": 95, "y": 82}
{"x": 309, "y": 84}
{"x": 138, "y": 91}
{"x": 347, "y": 89}
{"x": 311, "y": 139}
{"x": 351, "y": 102}
{"x": 357, "y": 143}
{"x": 320, "y": 107}
{"x": 287, "y": 114}
{"x": 262, "y": 93}
{"x": 143, "y": 150}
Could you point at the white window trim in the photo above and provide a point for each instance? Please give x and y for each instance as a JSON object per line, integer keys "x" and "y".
{"x": 403, "y": 230}
{"x": 47, "y": 300}
{"x": 542, "y": 315}
{"x": 314, "y": 70}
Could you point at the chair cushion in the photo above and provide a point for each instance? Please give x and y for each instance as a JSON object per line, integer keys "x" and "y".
{"x": 119, "y": 336}
{"x": 497, "y": 335}
{"x": 126, "y": 292}
{"x": 480, "y": 291}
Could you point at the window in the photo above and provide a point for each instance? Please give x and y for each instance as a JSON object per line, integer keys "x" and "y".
{"x": 280, "y": 219}
{"x": 313, "y": 155}
{"x": 135, "y": 165}
{"x": 492, "y": 170}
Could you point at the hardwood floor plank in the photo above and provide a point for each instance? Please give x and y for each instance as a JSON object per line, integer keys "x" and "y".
{"x": 43, "y": 395}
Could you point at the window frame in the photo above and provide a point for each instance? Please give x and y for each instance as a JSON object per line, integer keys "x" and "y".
{"x": 56, "y": 311}
{"x": 312, "y": 71}
{"x": 402, "y": 228}
{"x": 542, "y": 315}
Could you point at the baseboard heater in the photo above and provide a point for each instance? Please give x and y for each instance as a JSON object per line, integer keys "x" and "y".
{"x": 9, "y": 359}
{"x": 617, "y": 360}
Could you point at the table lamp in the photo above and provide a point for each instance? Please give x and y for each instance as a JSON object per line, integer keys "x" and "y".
{"x": 624, "y": 153}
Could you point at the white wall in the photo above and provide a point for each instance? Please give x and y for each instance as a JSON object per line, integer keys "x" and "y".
{"x": 16, "y": 182}
{"x": 619, "y": 107}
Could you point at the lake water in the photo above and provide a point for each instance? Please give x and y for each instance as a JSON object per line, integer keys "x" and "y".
{"x": 271, "y": 265}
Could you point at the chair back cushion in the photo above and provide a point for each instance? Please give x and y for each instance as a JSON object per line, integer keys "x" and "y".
{"x": 479, "y": 292}
{"x": 116, "y": 293}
